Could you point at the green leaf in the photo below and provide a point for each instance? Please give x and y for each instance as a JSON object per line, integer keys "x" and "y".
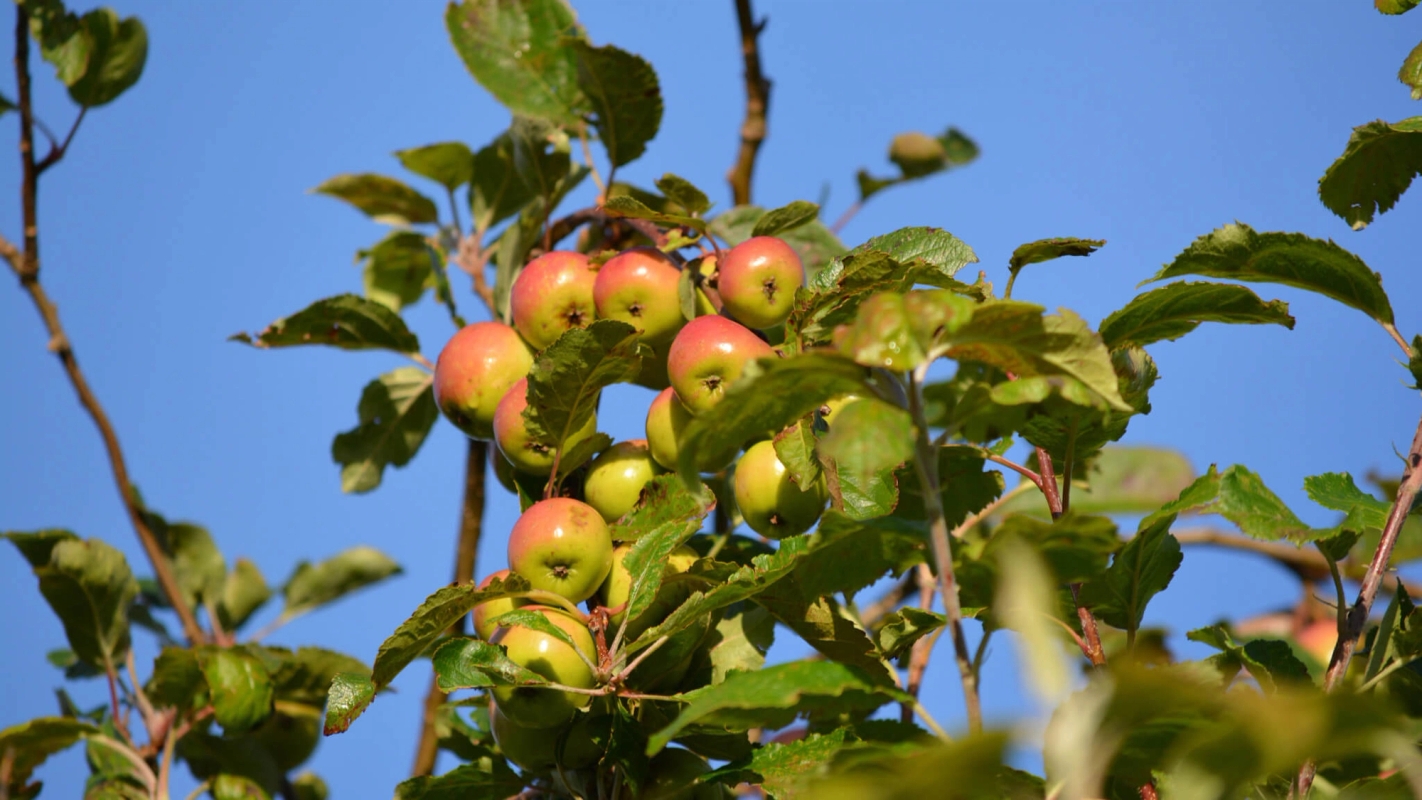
{"x": 349, "y": 697}
{"x": 63, "y": 38}
{"x": 625, "y": 97}
{"x": 681, "y": 191}
{"x": 1411, "y": 71}
{"x": 1048, "y": 249}
{"x": 536, "y": 621}
{"x": 968, "y": 768}
{"x": 1395, "y": 6}
{"x": 770, "y": 395}
{"x": 485, "y": 778}
{"x": 1336, "y": 548}
{"x": 1140, "y": 571}
{"x": 930, "y": 252}
{"x": 785, "y": 218}
{"x": 1124, "y": 479}
{"x": 305, "y": 676}
{"x": 430, "y": 621}
{"x": 118, "y": 50}
{"x": 382, "y": 198}
{"x": 346, "y": 321}
{"x": 1171, "y": 311}
{"x": 34, "y": 741}
{"x": 1271, "y": 662}
{"x": 858, "y": 498}
{"x": 398, "y": 269}
{"x": 74, "y": 669}
{"x": 567, "y": 377}
{"x": 771, "y": 697}
{"x": 496, "y": 192}
{"x": 516, "y": 50}
{"x": 239, "y": 685}
{"x": 89, "y": 586}
{"x": 664, "y": 501}
{"x": 795, "y": 447}
{"x": 646, "y": 562}
{"x": 198, "y": 565}
{"x": 396, "y": 413}
{"x": 628, "y": 206}
{"x": 1087, "y": 430}
{"x": 1392, "y": 642}
{"x": 314, "y": 585}
{"x": 1376, "y": 167}
{"x": 1414, "y": 364}
{"x": 177, "y": 680}
{"x": 869, "y": 436}
{"x": 904, "y": 627}
{"x": 1237, "y": 252}
{"x": 463, "y": 663}
{"x": 1076, "y": 546}
{"x": 1337, "y": 491}
{"x": 37, "y": 547}
{"x": 450, "y": 164}
{"x": 244, "y": 590}
{"x": 1241, "y": 497}
{"x": 739, "y": 642}
{"x": 898, "y": 332}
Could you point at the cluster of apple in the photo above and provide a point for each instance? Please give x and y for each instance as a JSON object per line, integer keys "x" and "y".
{"x": 564, "y": 545}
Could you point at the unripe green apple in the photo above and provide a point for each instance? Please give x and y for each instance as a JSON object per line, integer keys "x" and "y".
{"x": 512, "y": 437}
{"x": 831, "y": 408}
{"x": 535, "y": 748}
{"x": 618, "y": 586}
{"x": 639, "y": 287}
{"x": 552, "y": 294}
{"x": 535, "y": 707}
{"x": 771, "y": 503}
{"x": 561, "y": 545}
{"x": 757, "y": 281}
{"x": 486, "y": 613}
{"x": 666, "y": 419}
{"x": 614, "y": 480}
{"x": 917, "y": 153}
{"x": 708, "y": 355}
{"x": 672, "y": 774}
{"x": 475, "y": 370}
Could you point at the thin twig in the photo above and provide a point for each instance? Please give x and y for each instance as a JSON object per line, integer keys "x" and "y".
{"x": 120, "y": 724}
{"x": 26, "y": 268}
{"x": 592, "y": 165}
{"x": 1372, "y": 579}
{"x": 627, "y": 670}
{"x": 57, "y": 151}
{"x": 844, "y": 218}
{"x": 473, "y": 260}
{"x": 753, "y": 128}
{"x": 1397, "y": 337}
{"x": 922, "y": 649}
{"x": 890, "y": 600}
{"x": 1016, "y": 467}
{"x": 140, "y": 697}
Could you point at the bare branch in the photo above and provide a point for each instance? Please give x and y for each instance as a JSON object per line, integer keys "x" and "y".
{"x": 753, "y": 128}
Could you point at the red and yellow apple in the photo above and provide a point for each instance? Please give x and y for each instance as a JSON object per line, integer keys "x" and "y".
{"x": 552, "y": 294}
{"x": 513, "y": 440}
{"x": 708, "y": 355}
{"x": 561, "y": 545}
{"x": 639, "y": 287}
{"x": 757, "y": 280}
{"x": 475, "y": 370}
{"x": 486, "y": 613}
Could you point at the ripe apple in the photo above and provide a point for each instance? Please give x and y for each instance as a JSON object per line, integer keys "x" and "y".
{"x": 708, "y": 355}
{"x": 639, "y": 287}
{"x": 486, "y": 613}
{"x": 673, "y": 772}
{"x": 561, "y": 545}
{"x": 758, "y": 279}
{"x": 536, "y": 707}
{"x": 666, "y": 419}
{"x": 614, "y": 480}
{"x": 771, "y": 503}
{"x": 513, "y": 440}
{"x": 552, "y": 294}
{"x": 535, "y": 748}
{"x": 1318, "y": 639}
{"x": 475, "y": 370}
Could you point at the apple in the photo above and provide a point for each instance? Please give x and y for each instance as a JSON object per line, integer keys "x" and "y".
{"x": 552, "y": 294}
{"x": 771, "y": 503}
{"x": 831, "y": 408}
{"x": 757, "y": 281}
{"x": 672, "y": 776}
{"x": 639, "y": 287}
{"x": 475, "y": 370}
{"x": 538, "y": 707}
{"x": 513, "y": 440}
{"x": 486, "y": 613}
{"x": 614, "y": 480}
{"x": 917, "y": 153}
{"x": 708, "y": 300}
{"x": 654, "y": 368}
{"x": 561, "y": 545}
{"x": 535, "y": 749}
{"x": 1318, "y": 639}
{"x": 666, "y": 419}
{"x": 708, "y": 355}
{"x": 618, "y": 586}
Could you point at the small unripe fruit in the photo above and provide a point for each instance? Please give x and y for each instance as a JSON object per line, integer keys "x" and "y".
{"x": 917, "y": 154}
{"x": 512, "y": 437}
{"x": 535, "y": 748}
{"x": 672, "y": 773}
{"x": 757, "y": 281}
{"x": 486, "y": 613}
{"x": 561, "y": 545}
{"x": 639, "y": 287}
{"x": 614, "y": 480}
{"x": 666, "y": 419}
{"x": 475, "y": 370}
{"x": 708, "y": 355}
{"x": 534, "y": 707}
{"x": 552, "y": 294}
{"x": 770, "y": 502}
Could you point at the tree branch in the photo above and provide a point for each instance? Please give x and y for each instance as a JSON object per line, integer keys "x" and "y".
{"x": 753, "y": 128}
{"x": 466, "y": 555}
{"x": 26, "y": 267}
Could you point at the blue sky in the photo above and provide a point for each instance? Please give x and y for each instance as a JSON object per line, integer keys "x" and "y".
{"x": 181, "y": 216}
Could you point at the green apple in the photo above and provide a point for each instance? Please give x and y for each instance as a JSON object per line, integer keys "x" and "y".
{"x": 771, "y": 503}
{"x": 639, "y": 287}
{"x": 708, "y": 355}
{"x": 757, "y": 280}
{"x": 672, "y": 776}
{"x": 561, "y": 545}
{"x": 552, "y": 294}
{"x": 618, "y": 586}
{"x": 537, "y": 707}
{"x": 666, "y": 419}
{"x": 535, "y": 749}
{"x": 475, "y": 370}
{"x": 614, "y": 480}
{"x": 513, "y": 440}
{"x": 486, "y": 613}
{"x": 831, "y": 408}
